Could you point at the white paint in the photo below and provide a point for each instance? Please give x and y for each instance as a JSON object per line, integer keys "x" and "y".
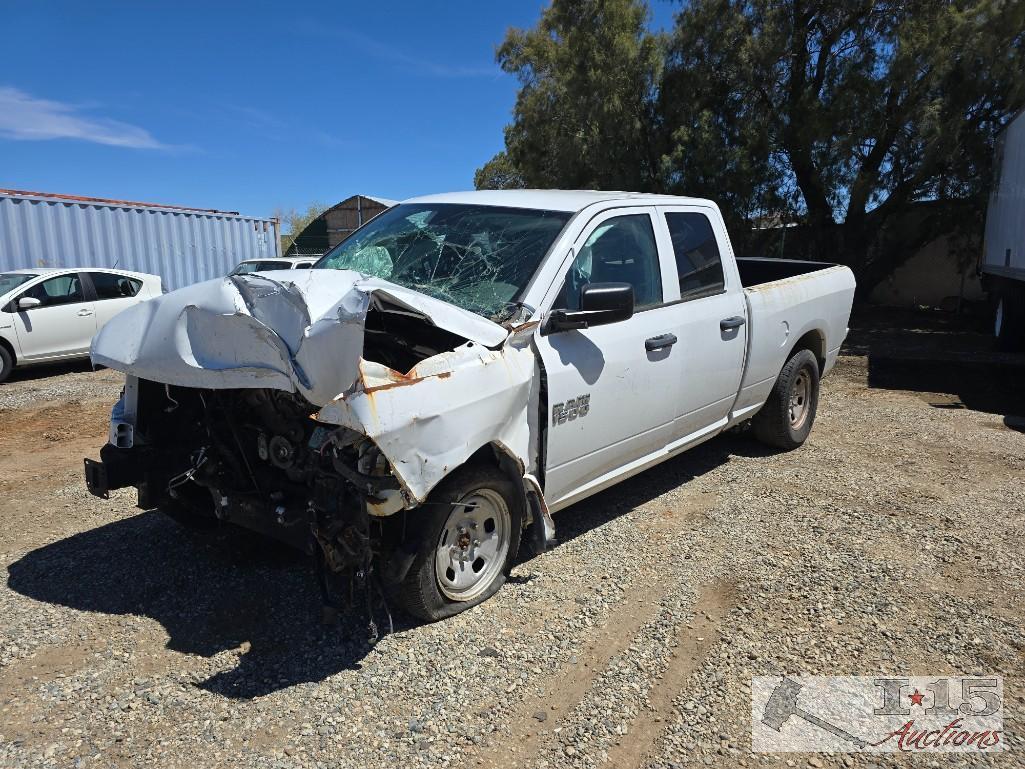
{"x": 302, "y": 331}
{"x": 61, "y": 331}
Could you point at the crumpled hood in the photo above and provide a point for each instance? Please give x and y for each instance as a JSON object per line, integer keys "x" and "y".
{"x": 295, "y": 330}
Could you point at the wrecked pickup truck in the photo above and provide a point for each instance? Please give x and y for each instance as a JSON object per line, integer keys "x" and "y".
{"x": 454, "y": 372}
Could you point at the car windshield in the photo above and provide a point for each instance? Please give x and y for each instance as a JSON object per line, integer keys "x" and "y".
{"x": 479, "y": 258}
{"x": 246, "y": 267}
{"x": 11, "y": 280}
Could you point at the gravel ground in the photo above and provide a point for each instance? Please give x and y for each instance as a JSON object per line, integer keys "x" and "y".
{"x": 76, "y": 380}
{"x": 889, "y": 543}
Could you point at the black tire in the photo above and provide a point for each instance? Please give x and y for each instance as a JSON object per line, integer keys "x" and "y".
{"x": 420, "y": 592}
{"x": 6, "y": 363}
{"x": 1009, "y": 320}
{"x": 773, "y": 424}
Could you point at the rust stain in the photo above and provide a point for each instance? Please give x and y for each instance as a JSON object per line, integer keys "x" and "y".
{"x": 116, "y": 203}
{"x": 390, "y": 386}
{"x": 403, "y": 380}
{"x": 531, "y": 324}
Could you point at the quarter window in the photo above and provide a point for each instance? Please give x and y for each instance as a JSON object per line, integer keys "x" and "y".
{"x": 620, "y": 250}
{"x": 697, "y": 255}
{"x": 111, "y": 286}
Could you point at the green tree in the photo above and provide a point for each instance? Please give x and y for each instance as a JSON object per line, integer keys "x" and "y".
{"x": 292, "y": 222}
{"x": 499, "y": 173}
{"x": 584, "y": 113}
{"x": 871, "y": 122}
{"x": 869, "y": 107}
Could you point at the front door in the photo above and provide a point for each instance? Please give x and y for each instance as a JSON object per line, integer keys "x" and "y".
{"x": 610, "y": 397}
{"x": 63, "y": 324}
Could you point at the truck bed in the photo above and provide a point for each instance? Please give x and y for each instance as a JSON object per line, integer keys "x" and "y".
{"x": 755, "y": 270}
{"x": 790, "y": 302}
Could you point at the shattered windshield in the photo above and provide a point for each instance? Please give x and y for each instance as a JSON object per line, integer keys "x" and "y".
{"x": 479, "y": 258}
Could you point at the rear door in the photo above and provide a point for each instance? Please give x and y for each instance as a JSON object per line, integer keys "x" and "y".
{"x": 62, "y": 325}
{"x": 114, "y": 293}
{"x": 711, "y": 324}
{"x": 610, "y": 398}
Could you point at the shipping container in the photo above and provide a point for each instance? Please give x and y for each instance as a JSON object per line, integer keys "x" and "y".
{"x": 1003, "y": 261}
{"x": 181, "y": 245}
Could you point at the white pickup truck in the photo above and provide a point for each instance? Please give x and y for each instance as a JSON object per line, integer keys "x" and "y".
{"x": 457, "y": 370}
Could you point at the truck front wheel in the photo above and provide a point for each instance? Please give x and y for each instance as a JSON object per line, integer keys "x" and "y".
{"x": 787, "y": 416}
{"x": 466, "y": 538}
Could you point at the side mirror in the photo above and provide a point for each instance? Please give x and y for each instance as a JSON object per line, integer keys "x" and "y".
{"x": 28, "y": 302}
{"x": 600, "y": 303}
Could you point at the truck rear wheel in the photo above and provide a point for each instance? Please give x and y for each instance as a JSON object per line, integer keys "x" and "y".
{"x": 466, "y": 538}
{"x": 787, "y": 416}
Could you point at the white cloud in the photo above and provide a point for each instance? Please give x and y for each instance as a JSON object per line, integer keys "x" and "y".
{"x": 24, "y": 117}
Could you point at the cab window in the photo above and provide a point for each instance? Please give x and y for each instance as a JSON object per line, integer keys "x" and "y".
{"x": 698, "y": 262}
{"x": 620, "y": 250}
{"x": 64, "y": 289}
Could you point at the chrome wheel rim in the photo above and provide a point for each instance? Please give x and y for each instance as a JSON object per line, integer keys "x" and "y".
{"x": 473, "y": 545}
{"x": 800, "y": 395}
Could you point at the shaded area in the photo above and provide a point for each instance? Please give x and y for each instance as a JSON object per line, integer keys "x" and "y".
{"x": 211, "y": 593}
{"x": 930, "y": 351}
{"x": 48, "y": 370}
{"x": 588, "y": 514}
{"x": 215, "y": 591}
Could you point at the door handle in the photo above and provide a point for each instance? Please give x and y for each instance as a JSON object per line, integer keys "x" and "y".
{"x": 84, "y": 313}
{"x": 727, "y": 324}
{"x": 659, "y": 342}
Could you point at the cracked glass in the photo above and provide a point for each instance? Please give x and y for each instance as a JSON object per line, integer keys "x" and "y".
{"x": 480, "y": 258}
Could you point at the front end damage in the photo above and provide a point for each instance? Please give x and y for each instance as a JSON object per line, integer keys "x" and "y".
{"x": 320, "y": 410}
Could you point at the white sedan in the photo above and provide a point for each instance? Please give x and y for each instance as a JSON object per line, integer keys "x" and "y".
{"x": 52, "y": 314}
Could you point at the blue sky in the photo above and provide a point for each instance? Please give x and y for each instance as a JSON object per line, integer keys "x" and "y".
{"x": 256, "y": 105}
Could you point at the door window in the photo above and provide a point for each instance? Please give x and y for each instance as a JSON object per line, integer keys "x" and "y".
{"x": 697, "y": 255}
{"x": 620, "y": 250}
{"x": 111, "y": 286}
{"x": 64, "y": 289}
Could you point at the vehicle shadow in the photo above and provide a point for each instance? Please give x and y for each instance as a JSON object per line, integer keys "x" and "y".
{"x": 211, "y": 593}
{"x": 589, "y": 514}
{"x": 927, "y": 351}
{"x": 223, "y": 590}
{"x": 49, "y": 370}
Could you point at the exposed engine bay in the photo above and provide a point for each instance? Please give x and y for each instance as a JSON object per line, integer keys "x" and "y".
{"x": 325, "y": 413}
{"x": 256, "y": 458}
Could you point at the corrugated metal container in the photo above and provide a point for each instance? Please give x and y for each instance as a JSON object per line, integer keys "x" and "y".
{"x": 1005, "y": 217}
{"x": 181, "y": 245}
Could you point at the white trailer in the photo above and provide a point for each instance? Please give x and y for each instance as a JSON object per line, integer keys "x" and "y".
{"x": 1003, "y": 260}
